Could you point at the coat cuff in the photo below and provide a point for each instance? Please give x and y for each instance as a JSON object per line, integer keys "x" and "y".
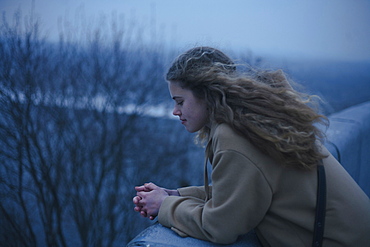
{"x": 165, "y": 211}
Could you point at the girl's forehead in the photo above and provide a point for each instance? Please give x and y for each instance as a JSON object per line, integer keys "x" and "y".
{"x": 176, "y": 90}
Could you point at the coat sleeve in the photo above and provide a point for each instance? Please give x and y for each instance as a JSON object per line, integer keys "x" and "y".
{"x": 241, "y": 197}
{"x": 194, "y": 191}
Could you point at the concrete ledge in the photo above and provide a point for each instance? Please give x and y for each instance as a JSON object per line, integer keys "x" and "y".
{"x": 160, "y": 236}
{"x": 348, "y": 140}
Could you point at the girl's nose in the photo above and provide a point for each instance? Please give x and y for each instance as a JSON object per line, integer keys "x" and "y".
{"x": 176, "y": 112}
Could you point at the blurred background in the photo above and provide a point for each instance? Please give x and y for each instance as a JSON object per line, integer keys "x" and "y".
{"x": 85, "y": 112}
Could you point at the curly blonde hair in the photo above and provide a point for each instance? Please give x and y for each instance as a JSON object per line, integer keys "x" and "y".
{"x": 262, "y": 106}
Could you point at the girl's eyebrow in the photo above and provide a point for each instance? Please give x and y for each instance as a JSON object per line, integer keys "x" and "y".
{"x": 176, "y": 97}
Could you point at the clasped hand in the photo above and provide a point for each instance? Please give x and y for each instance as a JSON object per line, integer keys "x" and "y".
{"x": 149, "y": 198}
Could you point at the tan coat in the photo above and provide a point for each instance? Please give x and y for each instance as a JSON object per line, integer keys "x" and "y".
{"x": 252, "y": 191}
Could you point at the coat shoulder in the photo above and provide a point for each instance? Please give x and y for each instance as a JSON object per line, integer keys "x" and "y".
{"x": 226, "y": 138}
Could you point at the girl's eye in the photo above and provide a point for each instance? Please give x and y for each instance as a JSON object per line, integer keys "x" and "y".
{"x": 180, "y": 102}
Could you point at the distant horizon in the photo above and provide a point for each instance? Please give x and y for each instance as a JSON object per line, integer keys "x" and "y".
{"x": 334, "y": 30}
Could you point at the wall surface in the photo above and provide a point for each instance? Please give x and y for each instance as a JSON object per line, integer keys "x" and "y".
{"x": 349, "y": 141}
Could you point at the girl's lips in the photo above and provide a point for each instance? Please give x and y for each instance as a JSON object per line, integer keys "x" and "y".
{"x": 183, "y": 121}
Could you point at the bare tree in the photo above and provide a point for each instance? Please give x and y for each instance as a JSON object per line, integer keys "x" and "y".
{"x": 75, "y": 137}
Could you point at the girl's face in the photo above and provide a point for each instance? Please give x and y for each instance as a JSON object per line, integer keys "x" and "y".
{"x": 192, "y": 111}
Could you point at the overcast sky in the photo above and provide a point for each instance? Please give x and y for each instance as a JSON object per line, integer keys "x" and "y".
{"x": 324, "y": 29}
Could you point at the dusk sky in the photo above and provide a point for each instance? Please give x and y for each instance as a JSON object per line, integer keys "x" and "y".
{"x": 329, "y": 29}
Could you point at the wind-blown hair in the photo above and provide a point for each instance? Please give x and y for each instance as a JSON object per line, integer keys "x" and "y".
{"x": 262, "y": 106}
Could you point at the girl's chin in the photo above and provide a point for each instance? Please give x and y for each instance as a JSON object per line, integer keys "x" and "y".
{"x": 191, "y": 130}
